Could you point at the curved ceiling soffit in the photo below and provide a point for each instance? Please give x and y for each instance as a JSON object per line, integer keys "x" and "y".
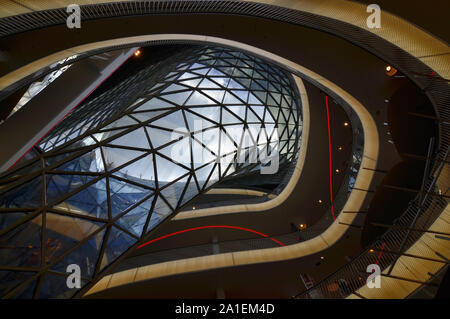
{"x": 411, "y": 39}
{"x": 328, "y": 238}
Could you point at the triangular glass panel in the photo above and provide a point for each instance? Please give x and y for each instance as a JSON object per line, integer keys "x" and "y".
{"x": 11, "y": 279}
{"x": 229, "y": 118}
{"x": 58, "y": 185}
{"x": 124, "y": 195}
{"x": 21, "y": 246}
{"x": 215, "y": 72}
{"x": 7, "y": 218}
{"x": 26, "y": 195}
{"x": 214, "y": 177}
{"x": 192, "y": 82}
{"x": 64, "y": 232}
{"x": 238, "y": 110}
{"x": 199, "y": 99}
{"x": 173, "y": 87}
{"x": 134, "y": 220}
{"x": 168, "y": 171}
{"x": 55, "y": 287}
{"x": 217, "y": 95}
{"x": 179, "y": 151}
{"x": 115, "y": 157}
{"x": 89, "y": 201}
{"x": 140, "y": 171}
{"x": 231, "y": 99}
{"x": 253, "y": 99}
{"x": 118, "y": 243}
{"x": 197, "y": 123}
{"x": 88, "y": 162}
{"x": 123, "y": 121}
{"x": 210, "y": 138}
{"x": 196, "y": 66}
{"x": 203, "y": 173}
{"x": 103, "y": 135}
{"x": 173, "y": 121}
{"x": 241, "y": 94}
{"x": 208, "y": 84}
{"x": 160, "y": 211}
{"x": 210, "y": 112}
{"x": 201, "y": 71}
{"x": 222, "y": 81}
{"x": 154, "y": 104}
{"x": 262, "y": 96}
{"x": 191, "y": 191}
{"x": 177, "y": 98}
{"x": 200, "y": 154}
{"x": 187, "y": 75}
{"x": 226, "y": 144}
{"x": 135, "y": 139}
{"x": 85, "y": 256}
{"x": 172, "y": 193}
{"x": 251, "y": 117}
{"x": 160, "y": 137}
{"x": 148, "y": 116}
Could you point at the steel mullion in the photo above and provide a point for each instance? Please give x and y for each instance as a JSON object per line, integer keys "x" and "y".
{"x": 102, "y": 251}
{"x": 58, "y": 259}
{"x": 74, "y": 215}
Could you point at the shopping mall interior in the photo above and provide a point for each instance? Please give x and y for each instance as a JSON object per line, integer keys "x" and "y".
{"x": 229, "y": 149}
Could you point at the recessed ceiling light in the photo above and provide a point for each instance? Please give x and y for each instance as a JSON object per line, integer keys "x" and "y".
{"x": 319, "y": 201}
{"x": 390, "y": 70}
{"x": 345, "y": 123}
{"x": 137, "y": 53}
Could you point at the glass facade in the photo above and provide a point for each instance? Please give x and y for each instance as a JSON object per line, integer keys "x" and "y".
{"x": 135, "y": 155}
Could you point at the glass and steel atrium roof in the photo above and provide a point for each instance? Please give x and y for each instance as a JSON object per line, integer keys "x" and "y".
{"x": 126, "y": 160}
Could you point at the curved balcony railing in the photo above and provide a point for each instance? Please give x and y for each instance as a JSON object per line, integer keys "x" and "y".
{"x": 407, "y": 229}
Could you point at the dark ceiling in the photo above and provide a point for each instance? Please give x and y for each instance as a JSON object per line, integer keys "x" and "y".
{"x": 348, "y": 66}
{"x": 431, "y": 16}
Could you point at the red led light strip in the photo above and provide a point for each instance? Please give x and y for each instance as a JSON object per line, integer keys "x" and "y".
{"x": 329, "y": 154}
{"x": 212, "y": 226}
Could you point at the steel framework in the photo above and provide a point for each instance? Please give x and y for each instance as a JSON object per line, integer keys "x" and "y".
{"x": 128, "y": 159}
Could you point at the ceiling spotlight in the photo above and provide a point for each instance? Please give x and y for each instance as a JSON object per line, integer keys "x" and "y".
{"x": 302, "y": 226}
{"x": 321, "y": 257}
{"x": 390, "y": 70}
{"x": 319, "y": 201}
{"x": 337, "y": 170}
{"x": 137, "y": 53}
{"x": 345, "y": 123}
{"x": 340, "y": 148}
{"x": 371, "y": 251}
